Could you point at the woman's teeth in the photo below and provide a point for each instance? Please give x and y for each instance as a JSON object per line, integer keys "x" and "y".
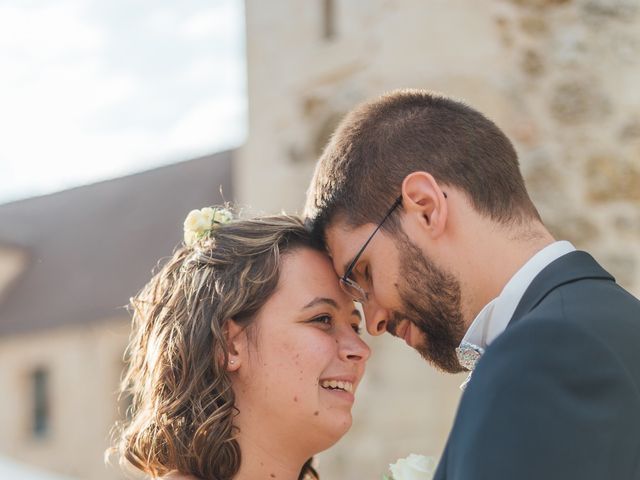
{"x": 334, "y": 384}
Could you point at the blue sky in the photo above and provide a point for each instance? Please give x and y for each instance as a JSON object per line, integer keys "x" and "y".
{"x": 94, "y": 89}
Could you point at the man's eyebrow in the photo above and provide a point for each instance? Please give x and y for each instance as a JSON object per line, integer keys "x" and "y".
{"x": 321, "y": 301}
{"x": 357, "y": 313}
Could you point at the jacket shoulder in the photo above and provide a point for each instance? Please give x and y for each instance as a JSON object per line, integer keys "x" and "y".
{"x": 547, "y": 389}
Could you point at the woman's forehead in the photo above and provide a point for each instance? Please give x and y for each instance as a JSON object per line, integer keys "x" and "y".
{"x": 305, "y": 276}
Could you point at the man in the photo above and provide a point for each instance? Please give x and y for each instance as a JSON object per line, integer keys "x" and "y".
{"x": 421, "y": 205}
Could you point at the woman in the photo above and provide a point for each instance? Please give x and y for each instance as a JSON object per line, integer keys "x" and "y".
{"x": 244, "y": 356}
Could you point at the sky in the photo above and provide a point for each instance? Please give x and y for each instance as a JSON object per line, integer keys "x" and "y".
{"x": 94, "y": 89}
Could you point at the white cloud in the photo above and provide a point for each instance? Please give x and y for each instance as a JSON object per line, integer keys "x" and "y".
{"x": 213, "y": 120}
{"x": 219, "y": 21}
{"x": 47, "y": 32}
{"x": 68, "y": 115}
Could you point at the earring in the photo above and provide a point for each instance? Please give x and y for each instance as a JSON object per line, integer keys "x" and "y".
{"x": 232, "y": 362}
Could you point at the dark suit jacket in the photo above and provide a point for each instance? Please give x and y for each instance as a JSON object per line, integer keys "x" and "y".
{"x": 557, "y": 395}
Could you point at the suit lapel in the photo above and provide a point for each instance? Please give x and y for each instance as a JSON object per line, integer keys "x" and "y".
{"x": 573, "y": 266}
{"x": 568, "y": 268}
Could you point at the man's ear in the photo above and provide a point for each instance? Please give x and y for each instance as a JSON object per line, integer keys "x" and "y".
{"x": 423, "y": 199}
{"x": 236, "y": 344}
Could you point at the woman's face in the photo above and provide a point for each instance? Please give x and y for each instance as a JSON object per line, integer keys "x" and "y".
{"x": 296, "y": 374}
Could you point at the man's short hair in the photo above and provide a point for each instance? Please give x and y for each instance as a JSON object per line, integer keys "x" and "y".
{"x": 380, "y": 142}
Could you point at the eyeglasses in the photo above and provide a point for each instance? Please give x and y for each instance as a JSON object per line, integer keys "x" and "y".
{"x": 354, "y": 290}
{"x": 350, "y": 286}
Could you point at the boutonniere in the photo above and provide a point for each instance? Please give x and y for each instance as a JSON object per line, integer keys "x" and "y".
{"x": 413, "y": 467}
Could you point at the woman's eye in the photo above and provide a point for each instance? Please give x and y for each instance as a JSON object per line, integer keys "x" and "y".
{"x": 356, "y": 328}
{"x": 323, "y": 319}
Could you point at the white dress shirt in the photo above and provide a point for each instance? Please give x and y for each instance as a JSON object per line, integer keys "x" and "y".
{"x": 495, "y": 316}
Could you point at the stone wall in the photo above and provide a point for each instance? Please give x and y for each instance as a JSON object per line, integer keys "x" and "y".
{"x": 560, "y": 77}
{"x": 84, "y": 365}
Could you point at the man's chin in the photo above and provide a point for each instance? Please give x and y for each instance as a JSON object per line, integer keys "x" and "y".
{"x": 440, "y": 360}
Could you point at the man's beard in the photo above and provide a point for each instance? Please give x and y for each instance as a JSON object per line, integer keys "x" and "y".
{"x": 431, "y": 300}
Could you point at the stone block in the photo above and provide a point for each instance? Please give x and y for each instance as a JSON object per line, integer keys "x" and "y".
{"x": 578, "y": 229}
{"x": 611, "y": 178}
{"x": 578, "y": 101}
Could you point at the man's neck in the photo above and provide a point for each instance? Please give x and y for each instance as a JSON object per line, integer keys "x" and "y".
{"x": 497, "y": 255}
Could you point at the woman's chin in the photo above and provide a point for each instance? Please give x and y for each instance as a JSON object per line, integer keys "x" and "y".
{"x": 335, "y": 428}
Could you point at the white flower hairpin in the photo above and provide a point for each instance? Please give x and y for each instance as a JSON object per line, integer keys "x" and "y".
{"x": 201, "y": 222}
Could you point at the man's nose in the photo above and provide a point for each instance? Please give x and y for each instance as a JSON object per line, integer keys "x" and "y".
{"x": 375, "y": 317}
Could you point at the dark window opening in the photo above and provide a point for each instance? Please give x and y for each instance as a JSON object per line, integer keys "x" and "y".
{"x": 40, "y": 403}
{"x": 328, "y": 19}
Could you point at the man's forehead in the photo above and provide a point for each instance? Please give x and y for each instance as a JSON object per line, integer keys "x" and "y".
{"x": 337, "y": 236}
{"x": 343, "y": 241}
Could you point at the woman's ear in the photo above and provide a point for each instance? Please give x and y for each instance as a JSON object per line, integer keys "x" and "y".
{"x": 423, "y": 197}
{"x": 236, "y": 344}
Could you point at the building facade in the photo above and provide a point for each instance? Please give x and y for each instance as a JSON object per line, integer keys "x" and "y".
{"x": 69, "y": 262}
{"x": 559, "y": 77}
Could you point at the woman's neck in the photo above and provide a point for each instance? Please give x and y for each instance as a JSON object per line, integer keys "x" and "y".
{"x": 268, "y": 458}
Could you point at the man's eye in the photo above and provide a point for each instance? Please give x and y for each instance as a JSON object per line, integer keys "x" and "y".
{"x": 363, "y": 273}
{"x": 365, "y": 277}
{"x": 356, "y": 328}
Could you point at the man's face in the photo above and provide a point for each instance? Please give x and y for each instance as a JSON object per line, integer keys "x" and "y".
{"x": 408, "y": 295}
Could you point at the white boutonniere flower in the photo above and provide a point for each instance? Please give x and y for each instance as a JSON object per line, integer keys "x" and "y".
{"x": 200, "y": 222}
{"x": 413, "y": 467}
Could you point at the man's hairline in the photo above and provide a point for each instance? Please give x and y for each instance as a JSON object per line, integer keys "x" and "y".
{"x": 340, "y": 216}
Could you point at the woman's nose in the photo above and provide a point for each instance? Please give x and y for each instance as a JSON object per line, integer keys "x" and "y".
{"x": 355, "y": 349}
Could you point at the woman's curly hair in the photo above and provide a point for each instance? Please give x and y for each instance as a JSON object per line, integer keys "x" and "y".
{"x": 183, "y": 406}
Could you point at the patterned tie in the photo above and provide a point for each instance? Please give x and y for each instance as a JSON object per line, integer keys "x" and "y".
{"x": 468, "y": 356}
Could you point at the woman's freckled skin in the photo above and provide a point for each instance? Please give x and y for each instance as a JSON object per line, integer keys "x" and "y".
{"x": 290, "y": 340}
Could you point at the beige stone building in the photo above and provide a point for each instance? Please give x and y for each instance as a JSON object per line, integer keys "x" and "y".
{"x": 14, "y": 470}
{"x": 559, "y": 76}
{"x": 68, "y": 264}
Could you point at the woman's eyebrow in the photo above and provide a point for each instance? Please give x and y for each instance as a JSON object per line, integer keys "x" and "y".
{"x": 321, "y": 301}
{"x": 357, "y": 313}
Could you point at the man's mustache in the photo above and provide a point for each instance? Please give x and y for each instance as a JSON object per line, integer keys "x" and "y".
{"x": 393, "y": 321}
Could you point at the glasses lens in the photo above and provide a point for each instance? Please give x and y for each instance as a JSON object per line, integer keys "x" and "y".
{"x": 352, "y": 289}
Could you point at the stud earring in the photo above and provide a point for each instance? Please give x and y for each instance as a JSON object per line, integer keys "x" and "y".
{"x": 232, "y": 362}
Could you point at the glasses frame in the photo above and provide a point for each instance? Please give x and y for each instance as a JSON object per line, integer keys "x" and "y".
{"x": 350, "y": 286}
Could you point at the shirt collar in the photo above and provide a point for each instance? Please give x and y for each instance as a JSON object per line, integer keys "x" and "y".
{"x": 495, "y": 316}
